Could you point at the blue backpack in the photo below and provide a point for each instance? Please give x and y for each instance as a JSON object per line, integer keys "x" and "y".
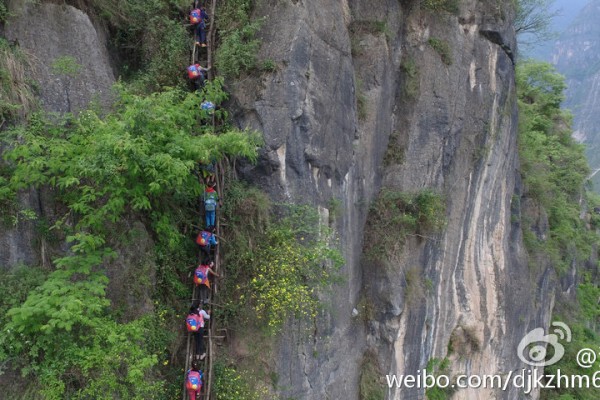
{"x": 210, "y": 201}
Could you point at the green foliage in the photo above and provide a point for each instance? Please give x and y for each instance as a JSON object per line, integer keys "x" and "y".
{"x": 584, "y": 335}
{"x": 373, "y": 27}
{"x": 238, "y": 50}
{"x": 370, "y": 380}
{"x": 233, "y": 14}
{"x": 269, "y": 65}
{"x": 442, "y": 48}
{"x": 450, "y": 6}
{"x": 361, "y": 101}
{"x": 533, "y": 20}
{"x": 136, "y": 162}
{"x": 415, "y": 286}
{"x": 231, "y": 384}
{"x": 165, "y": 55}
{"x": 16, "y": 92}
{"x": 412, "y": 83}
{"x": 553, "y": 165}
{"x": 394, "y": 154}
{"x": 436, "y": 367}
{"x": 288, "y": 272}
{"x": 19, "y": 281}
{"x": 274, "y": 266}
{"x": 61, "y": 328}
{"x": 554, "y": 170}
{"x": 3, "y": 11}
{"x": 153, "y": 43}
{"x": 66, "y": 65}
{"x": 404, "y": 214}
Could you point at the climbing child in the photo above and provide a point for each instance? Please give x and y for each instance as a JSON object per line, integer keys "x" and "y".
{"x": 211, "y": 198}
{"x": 193, "y": 381}
{"x": 195, "y": 322}
{"x": 207, "y": 240}
{"x": 197, "y": 75}
{"x": 198, "y": 19}
{"x": 201, "y": 278}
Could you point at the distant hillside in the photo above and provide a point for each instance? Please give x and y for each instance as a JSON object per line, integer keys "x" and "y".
{"x": 567, "y": 11}
{"x": 577, "y": 56}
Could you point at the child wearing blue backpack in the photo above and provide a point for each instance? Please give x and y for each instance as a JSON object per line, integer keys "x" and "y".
{"x": 210, "y": 199}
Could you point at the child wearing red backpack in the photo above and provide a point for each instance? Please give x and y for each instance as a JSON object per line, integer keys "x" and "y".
{"x": 201, "y": 277}
{"x": 194, "y": 323}
{"x": 193, "y": 381}
{"x": 198, "y": 19}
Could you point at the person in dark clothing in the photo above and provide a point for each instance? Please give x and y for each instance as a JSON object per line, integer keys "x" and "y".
{"x": 198, "y": 18}
{"x": 200, "y": 349}
{"x": 197, "y": 76}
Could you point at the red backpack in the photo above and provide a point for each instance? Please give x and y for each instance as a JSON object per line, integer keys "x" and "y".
{"x": 195, "y": 16}
{"x": 203, "y": 238}
{"x": 194, "y": 322}
{"x": 194, "y": 71}
{"x": 201, "y": 275}
{"x": 194, "y": 380}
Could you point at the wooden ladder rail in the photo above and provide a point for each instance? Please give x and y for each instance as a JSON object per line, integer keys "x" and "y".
{"x": 210, "y": 353}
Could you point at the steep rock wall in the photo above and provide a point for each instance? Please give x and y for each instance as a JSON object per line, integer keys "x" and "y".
{"x": 47, "y": 32}
{"x": 344, "y": 115}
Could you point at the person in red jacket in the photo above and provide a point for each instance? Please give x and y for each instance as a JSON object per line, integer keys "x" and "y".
{"x": 193, "y": 381}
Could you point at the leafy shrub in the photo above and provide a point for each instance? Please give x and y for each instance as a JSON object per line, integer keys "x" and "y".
{"x": 370, "y": 383}
{"x": 361, "y": 101}
{"x": 274, "y": 265}
{"x": 153, "y": 43}
{"x": 404, "y": 214}
{"x": 238, "y": 50}
{"x": 233, "y": 385}
{"x": 411, "y": 78}
{"x": 269, "y": 65}
{"x": 287, "y": 274}
{"x": 16, "y": 92}
{"x": 450, "y": 6}
{"x": 436, "y": 367}
{"x": 3, "y": 10}
{"x": 442, "y": 48}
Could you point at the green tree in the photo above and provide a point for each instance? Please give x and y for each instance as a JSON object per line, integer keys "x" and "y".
{"x": 136, "y": 163}
{"x": 554, "y": 170}
{"x": 533, "y": 19}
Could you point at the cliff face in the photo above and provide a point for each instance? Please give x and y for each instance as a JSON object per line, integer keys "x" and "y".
{"x": 366, "y": 95}
{"x": 390, "y": 94}
{"x": 49, "y": 33}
